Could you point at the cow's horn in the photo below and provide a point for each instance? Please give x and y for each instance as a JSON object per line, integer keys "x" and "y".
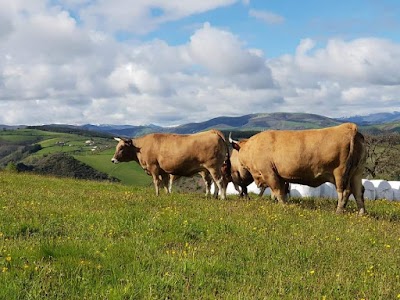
{"x": 230, "y": 138}
{"x": 117, "y": 139}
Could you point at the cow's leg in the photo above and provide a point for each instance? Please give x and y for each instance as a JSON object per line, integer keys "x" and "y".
{"x": 358, "y": 192}
{"x": 170, "y": 182}
{"x": 245, "y": 192}
{"x": 219, "y": 182}
{"x": 216, "y": 189}
{"x": 343, "y": 191}
{"x": 157, "y": 182}
{"x": 207, "y": 181}
{"x": 166, "y": 181}
{"x": 262, "y": 191}
{"x": 172, "y": 178}
{"x": 276, "y": 184}
{"x": 343, "y": 197}
{"x": 259, "y": 180}
{"x": 237, "y": 188}
{"x": 287, "y": 189}
{"x": 280, "y": 194}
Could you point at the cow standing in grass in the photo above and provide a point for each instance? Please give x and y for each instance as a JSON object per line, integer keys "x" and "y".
{"x": 310, "y": 157}
{"x": 163, "y": 154}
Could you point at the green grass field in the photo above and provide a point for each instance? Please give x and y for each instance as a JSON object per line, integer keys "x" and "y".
{"x": 70, "y": 239}
{"x": 129, "y": 173}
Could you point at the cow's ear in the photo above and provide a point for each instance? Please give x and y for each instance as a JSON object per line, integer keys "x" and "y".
{"x": 130, "y": 143}
{"x": 235, "y": 146}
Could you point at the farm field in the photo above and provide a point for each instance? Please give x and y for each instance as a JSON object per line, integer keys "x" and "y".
{"x": 74, "y": 239}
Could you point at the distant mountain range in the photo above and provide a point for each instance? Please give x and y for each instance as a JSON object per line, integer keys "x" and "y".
{"x": 374, "y": 119}
{"x": 261, "y": 121}
{"x": 252, "y": 122}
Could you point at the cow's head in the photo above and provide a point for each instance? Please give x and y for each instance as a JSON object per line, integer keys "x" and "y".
{"x": 125, "y": 151}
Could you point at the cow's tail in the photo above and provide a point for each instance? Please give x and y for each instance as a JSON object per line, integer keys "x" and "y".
{"x": 226, "y": 166}
{"x": 353, "y": 158}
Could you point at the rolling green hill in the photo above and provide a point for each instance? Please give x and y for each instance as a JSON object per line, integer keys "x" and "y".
{"x": 96, "y": 152}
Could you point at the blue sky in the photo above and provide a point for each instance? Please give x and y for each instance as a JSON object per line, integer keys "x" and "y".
{"x": 172, "y": 62}
{"x": 319, "y": 20}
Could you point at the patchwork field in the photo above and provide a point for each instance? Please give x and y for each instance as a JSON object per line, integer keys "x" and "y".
{"x": 70, "y": 239}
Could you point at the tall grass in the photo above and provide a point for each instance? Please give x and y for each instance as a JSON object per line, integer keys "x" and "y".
{"x": 69, "y": 239}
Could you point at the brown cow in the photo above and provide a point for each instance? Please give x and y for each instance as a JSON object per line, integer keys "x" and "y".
{"x": 241, "y": 177}
{"x": 311, "y": 157}
{"x": 164, "y": 154}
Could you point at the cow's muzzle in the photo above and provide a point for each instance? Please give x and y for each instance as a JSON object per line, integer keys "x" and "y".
{"x": 114, "y": 160}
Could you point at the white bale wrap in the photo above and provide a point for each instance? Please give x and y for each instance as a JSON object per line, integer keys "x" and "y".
{"x": 383, "y": 189}
{"x": 395, "y": 185}
{"x": 374, "y": 189}
{"x": 328, "y": 190}
{"x": 370, "y": 191}
{"x": 299, "y": 190}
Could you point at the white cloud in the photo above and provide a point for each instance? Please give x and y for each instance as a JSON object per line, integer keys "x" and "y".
{"x": 143, "y": 16}
{"x": 366, "y": 61}
{"x": 267, "y": 17}
{"x": 361, "y": 61}
{"x": 57, "y": 69}
{"x": 342, "y": 78}
{"x": 224, "y": 54}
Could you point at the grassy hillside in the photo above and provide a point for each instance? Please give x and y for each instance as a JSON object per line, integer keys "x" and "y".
{"x": 70, "y": 239}
{"x": 129, "y": 173}
{"x": 93, "y": 151}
